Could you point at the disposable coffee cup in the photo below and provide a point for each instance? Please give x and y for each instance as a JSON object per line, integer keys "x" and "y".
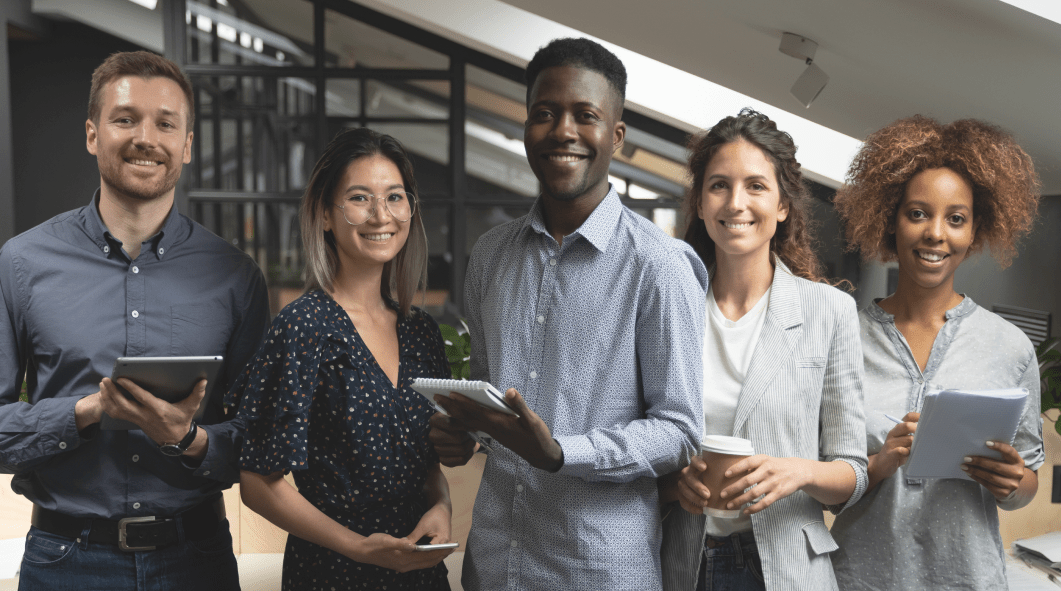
{"x": 720, "y": 452}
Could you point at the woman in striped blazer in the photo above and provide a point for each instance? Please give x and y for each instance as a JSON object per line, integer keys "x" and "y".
{"x": 782, "y": 368}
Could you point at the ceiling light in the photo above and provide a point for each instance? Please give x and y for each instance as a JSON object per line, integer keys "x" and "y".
{"x": 813, "y": 80}
{"x": 148, "y": 4}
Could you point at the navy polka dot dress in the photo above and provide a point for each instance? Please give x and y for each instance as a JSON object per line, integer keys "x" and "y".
{"x": 317, "y": 403}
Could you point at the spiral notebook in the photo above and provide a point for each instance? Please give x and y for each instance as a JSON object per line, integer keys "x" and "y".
{"x": 483, "y": 393}
{"x": 957, "y": 423}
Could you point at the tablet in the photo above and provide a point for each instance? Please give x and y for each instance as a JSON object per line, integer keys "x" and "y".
{"x": 168, "y": 378}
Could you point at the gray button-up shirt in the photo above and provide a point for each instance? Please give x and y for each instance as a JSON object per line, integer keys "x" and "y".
{"x": 603, "y": 337}
{"x": 71, "y": 302}
{"x": 936, "y": 533}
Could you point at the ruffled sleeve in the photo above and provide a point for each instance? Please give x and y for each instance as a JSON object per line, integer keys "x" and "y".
{"x": 276, "y": 389}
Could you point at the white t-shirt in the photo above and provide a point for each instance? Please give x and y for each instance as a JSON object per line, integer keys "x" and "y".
{"x": 728, "y": 348}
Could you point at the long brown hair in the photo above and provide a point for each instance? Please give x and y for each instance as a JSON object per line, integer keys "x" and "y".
{"x": 793, "y": 240}
{"x": 404, "y": 275}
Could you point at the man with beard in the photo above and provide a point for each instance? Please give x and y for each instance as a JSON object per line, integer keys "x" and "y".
{"x": 593, "y": 319}
{"x": 124, "y": 276}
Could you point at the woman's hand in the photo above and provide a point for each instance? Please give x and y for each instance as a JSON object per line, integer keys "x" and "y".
{"x": 435, "y": 524}
{"x": 895, "y": 452}
{"x": 693, "y": 495}
{"x": 767, "y": 477}
{"x": 397, "y": 554}
{"x": 1000, "y": 477}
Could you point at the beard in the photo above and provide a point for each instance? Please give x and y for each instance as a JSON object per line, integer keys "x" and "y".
{"x": 136, "y": 188}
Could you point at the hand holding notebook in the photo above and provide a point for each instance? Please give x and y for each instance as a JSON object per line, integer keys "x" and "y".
{"x": 957, "y": 423}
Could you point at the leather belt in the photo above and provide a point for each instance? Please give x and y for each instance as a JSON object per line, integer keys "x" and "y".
{"x": 134, "y": 533}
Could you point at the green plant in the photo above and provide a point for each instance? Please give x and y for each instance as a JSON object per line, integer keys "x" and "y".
{"x": 23, "y": 395}
{"x": 1050, "y": 373}
{"x": 458, "y": 350}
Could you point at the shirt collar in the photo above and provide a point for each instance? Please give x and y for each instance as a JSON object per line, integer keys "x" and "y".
{"x": 173, "y": 230}
{"x": 964, "y": 307}
{"x": 598, "y": 228}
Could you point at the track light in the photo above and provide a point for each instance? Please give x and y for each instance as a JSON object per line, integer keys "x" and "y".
{"x": 812, "y": 81}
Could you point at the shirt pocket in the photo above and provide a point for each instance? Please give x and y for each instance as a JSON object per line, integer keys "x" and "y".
{"x": 200, "y": 329}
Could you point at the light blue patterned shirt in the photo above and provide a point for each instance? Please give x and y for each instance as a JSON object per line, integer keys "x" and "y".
{"x": 603, "y": 337}
{"x": 939, "y": 534}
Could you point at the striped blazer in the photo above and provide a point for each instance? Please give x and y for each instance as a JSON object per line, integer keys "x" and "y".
{"x": 802, "y": 397}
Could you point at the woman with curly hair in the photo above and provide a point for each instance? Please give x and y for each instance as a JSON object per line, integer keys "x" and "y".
{"x": 782, "y": 369}
{"x": 927, "y": 195}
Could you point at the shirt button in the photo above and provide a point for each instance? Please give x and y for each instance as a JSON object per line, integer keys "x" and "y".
{"x": 136, "y": 505}
{"x": 136, "y": 458}
{"x": 136, "y": 314}
{"x": 136, "y": 269}
{"x": 920, "y": 381}
{"x": 552, "y": 262}
{"x": 161, "y": 251}
{"x": 106, "y": 249}
{"x": 519, "y": 488}
{"x": 206, "y": 473}
{"x": 514, "y": 543}
{"x": 541, "y": 320}
{"x": 62, "y": 445}
{"x": 533, "y": 375}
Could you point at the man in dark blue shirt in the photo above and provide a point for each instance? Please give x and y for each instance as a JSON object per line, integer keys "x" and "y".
{"x": 124, "y": 276}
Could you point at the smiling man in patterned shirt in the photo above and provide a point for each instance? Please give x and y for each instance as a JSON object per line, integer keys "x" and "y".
{"x": 592, "y": 318}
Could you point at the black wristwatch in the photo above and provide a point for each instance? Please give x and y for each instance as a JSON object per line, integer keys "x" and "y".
{"x": 178, "y": 449}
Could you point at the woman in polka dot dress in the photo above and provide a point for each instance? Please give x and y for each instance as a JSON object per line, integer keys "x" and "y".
{"x": 328, "y": 395}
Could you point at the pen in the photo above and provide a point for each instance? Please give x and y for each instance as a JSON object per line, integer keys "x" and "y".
{"x": 892, "y": 419}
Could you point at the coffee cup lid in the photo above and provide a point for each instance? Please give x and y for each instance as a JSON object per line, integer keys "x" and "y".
{"x": 723, "y": 444}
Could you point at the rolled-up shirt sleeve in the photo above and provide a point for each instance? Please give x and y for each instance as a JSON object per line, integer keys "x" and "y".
{"x": 29, "y": 433}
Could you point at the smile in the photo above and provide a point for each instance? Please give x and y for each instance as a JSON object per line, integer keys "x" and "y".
{"x": 143, "y": 162}
{"x": 564, "y": 157}
{"x": 931, "y": 257}
{"x": 377, "y": 237}
{"x": 737, "y": 226}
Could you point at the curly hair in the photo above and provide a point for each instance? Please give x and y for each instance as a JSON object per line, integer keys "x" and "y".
{"x": 793, "y": 241}
{"x": 581, "y": 53}
{"x": 1002, "y": 175}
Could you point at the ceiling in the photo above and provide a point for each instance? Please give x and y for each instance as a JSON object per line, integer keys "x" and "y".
{"x": 886, "y": 59}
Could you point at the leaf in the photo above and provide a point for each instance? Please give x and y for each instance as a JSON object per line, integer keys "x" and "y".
{"x": 465, "y": 371}
{"x": 453, "y": 354}
{"x": 449, "y": 333}
{"x": 1051, "y": 374}
{"x": 1045, "y": 346}
{"x": 1051, "y": 356}
{"x": 1057, "y": 427}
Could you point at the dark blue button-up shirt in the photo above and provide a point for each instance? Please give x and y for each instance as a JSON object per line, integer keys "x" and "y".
{"x": 71, "y": 302}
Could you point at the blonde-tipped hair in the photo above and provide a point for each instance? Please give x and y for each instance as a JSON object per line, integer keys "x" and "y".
{"x": 406, "y": 273}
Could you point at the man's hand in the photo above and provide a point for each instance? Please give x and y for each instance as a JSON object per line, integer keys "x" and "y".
{"x": 527, "y": 435}
{"x": 451, "y": 440}
{"x": 88, "y": 411}
{"x": 162, "y": 421}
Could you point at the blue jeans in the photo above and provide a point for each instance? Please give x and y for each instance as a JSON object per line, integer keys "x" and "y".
{"x": 731, "y": 563}
{"x": 57, "y": 563}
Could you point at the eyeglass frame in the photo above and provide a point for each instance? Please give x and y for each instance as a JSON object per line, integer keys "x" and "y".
{"x": 375, "y": 204}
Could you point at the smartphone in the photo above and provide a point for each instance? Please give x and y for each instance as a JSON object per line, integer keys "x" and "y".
{"x": 430, "y": 547}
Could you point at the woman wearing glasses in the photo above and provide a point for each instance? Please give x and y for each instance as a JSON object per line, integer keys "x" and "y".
{"x": 328, "y": 395}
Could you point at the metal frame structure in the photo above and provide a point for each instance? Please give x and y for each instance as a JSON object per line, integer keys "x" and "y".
{"x": 217, "y": 203}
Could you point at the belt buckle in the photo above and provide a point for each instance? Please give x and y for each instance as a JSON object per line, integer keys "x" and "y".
{"x": 122, "y": 523}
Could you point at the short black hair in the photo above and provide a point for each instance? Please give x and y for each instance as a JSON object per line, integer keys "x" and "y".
{"x": 580, "y": 53}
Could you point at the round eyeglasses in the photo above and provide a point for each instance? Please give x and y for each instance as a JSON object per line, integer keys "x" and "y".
{"x": 360, "y": 207}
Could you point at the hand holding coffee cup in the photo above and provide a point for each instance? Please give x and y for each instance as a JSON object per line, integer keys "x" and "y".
{"x": 720, "y": 453}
